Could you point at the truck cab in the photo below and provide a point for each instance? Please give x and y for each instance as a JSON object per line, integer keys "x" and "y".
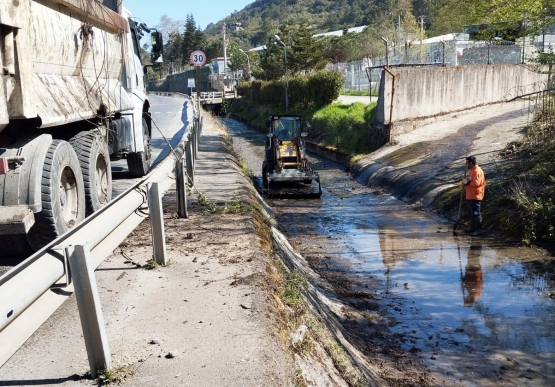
{"x": 72, "y": 98}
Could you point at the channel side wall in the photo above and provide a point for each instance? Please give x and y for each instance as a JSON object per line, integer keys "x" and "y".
{"x": 419, "y": 94}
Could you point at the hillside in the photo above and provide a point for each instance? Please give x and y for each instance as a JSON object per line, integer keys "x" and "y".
{"x": 261, "y": 18}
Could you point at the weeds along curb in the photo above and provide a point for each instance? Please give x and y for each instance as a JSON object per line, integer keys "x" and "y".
{"x": 304, "y": 296}
{"x": 325, "y": 306}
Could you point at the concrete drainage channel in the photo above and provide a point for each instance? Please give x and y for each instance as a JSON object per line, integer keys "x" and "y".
{"x": 33, "y": 290}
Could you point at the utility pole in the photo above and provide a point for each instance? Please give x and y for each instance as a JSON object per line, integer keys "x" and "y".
{"x": 421, "y": 19}
{"x": 399, "y": 32}
{"x": 225, "y": 48}
{"x": 286, "y": 73}
{"x": 524, "y": 37}
{"x": 386, "y": 51}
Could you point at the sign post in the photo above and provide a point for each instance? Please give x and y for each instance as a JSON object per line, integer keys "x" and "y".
{"x": 191, "y": 85}
{"x": 198, "y": 58}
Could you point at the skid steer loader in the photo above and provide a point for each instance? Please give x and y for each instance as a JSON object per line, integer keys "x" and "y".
{"x": 285, "y": 170}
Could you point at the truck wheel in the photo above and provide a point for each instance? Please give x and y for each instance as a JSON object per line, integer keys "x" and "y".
{"x": 139, "y": 162}
{"x": 94, "y": 158}
{"x": 63, "y": 195}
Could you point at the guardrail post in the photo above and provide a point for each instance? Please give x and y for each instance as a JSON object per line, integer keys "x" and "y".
{"x": 90, "y": 312}
{"x": 194, "y": 139}
{"x": 181, "y": 187}
{"x": 201, "y": 121}
{"x": 157, "y": 224}
{"x": 197, "y": 135}
{"x": 190, "y": 162}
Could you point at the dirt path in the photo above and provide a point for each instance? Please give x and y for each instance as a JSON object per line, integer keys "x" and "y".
{"x": 419, "y": 164}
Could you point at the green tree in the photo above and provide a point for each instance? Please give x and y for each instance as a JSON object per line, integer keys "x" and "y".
{"x": 343, "y": 48}
{"x": 304, "y": 53}
{"x": 272, "y": 65}
{"x": 212, "y": 47}
{"x": 307, "y": 53}
{"x": 509, "y": 19}
{"x": 193, "y": 38}
{"x": 173, "y": 50}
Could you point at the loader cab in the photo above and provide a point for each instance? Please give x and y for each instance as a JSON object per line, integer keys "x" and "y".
{"x": 285, "y": 128}
{"x": 286, "y": 168}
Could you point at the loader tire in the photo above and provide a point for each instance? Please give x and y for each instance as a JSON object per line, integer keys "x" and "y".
{"x": 139, "y": 162}
{"x": 94, "y": 158}
{"x": 62, "y": 193}
{"x": 264, "y": 176}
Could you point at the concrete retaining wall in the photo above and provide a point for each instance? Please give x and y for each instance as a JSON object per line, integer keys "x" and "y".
{"x": 420, "y": 93}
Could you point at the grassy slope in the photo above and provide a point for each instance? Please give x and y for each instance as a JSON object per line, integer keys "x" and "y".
{"x": 341, "y": 128}
{"x": 526, "y": 189}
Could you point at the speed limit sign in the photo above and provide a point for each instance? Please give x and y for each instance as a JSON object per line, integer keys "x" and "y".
{"x": 198, "y": 58}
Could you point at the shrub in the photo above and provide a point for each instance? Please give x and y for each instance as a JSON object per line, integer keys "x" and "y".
{"x": 312, "y": 91}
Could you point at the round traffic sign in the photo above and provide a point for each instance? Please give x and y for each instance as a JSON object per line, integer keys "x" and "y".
{"x": 198, "y": 58}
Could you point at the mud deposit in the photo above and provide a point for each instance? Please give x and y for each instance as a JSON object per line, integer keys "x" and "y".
{"x": 424, "y": 306}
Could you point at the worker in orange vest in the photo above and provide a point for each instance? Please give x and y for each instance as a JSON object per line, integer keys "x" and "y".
{"x": 475, "y": 184}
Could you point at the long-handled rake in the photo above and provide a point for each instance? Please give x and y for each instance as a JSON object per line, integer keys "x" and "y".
{"x": 460, "y": 205}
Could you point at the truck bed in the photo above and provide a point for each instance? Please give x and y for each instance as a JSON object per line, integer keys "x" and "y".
{"x": 62, "y": 61}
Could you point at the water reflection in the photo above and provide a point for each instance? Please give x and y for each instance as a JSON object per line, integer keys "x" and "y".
{"x": 472, "y": 280}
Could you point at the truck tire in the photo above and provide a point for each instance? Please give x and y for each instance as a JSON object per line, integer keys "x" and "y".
{"x": 94, "y": 158}
{"x": 63, "y": 195}
{"x": 139, "y": 162}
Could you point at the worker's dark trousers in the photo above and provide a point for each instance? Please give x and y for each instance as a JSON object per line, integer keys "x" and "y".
{"x": 474, "y": 209}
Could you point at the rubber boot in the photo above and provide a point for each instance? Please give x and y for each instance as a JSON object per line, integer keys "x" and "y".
{"x": 471, "y": 227}
{"x": 477, "y": 222}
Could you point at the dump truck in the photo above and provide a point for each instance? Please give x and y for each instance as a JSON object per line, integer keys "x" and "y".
{"x": 285, "y": 169}
{"x": 72, "y": 99}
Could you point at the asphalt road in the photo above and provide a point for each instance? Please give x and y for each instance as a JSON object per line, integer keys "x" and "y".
{"x": 170, "y": 119}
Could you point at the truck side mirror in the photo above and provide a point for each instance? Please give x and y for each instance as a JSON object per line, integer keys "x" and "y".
{"x": 157, "y": 42}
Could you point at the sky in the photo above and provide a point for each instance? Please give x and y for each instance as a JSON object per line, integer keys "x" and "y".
{"x": 204, "y": 12}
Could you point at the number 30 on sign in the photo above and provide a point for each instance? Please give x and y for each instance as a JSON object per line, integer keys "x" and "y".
{"x": 198, "y": 58}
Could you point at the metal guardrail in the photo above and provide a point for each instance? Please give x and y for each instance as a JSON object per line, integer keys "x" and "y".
{"x": 33, "y": 279}
{"x": 206, "y": 97}
{"x": 211, "y": 94}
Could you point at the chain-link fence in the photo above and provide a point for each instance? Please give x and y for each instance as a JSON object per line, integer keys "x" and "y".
{"x": 545, "y": 102}
{"x": 210, "y": 81}
{"x": 364, "y": 75}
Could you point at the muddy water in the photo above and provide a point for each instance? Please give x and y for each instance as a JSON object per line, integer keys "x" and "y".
{"x": 474, "y": 311}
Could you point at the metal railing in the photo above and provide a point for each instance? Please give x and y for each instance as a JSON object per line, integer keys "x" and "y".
{"x": 33, "y": 280}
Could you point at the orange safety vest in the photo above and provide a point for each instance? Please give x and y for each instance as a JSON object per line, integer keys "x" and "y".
{"x": 476, "y": 184}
